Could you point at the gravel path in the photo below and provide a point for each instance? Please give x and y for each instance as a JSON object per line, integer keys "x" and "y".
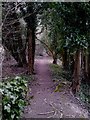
{"x": 49, "y": 104}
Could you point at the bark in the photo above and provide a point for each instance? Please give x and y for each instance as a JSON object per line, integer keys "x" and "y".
{"x": 64, "y": 59}
{"x": 33, "y": 47}
{"x": 86, "y": 64}
{"x": 85, "y": 61}
{"x": 72, "y": 63}
{"x": 22, "y": 59}
{"x": 31, "y": 50}
{"x": 76, "y": 75}
{"x": 30, "y": 53}
{"x": 55, "y": 59}
{"x": 31, "y": 26}
{"x": 89, "y": 66}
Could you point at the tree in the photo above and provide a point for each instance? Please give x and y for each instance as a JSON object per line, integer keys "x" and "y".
{"x": 11, "y": 33}
{"x": 69, "y": 29}
{"x": 77, "y": 29}
{"x": 31, "y": 10}
{"x": 50, "y": 20}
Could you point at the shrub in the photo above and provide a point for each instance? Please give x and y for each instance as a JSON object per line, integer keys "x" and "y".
{"x": 13, "y": 97}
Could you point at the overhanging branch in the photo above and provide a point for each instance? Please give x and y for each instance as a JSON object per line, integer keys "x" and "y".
{"x": 45, "y": 45}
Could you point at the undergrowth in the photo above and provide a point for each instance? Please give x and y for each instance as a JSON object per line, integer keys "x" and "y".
{"x": 60, "y": 74}
{"x": 13, "y": 97}
{"x": 84, "y": 94}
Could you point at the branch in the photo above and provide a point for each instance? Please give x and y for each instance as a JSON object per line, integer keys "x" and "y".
{"x": 9, "y": 32}
{"x": 56, "y": 111}
{"x": 14, "y": 21}
{"x": 40, "y": 31}
{"x": 46, "y": 46}
{"x": 46, "y": 113}
{"x": 8, "y": 13}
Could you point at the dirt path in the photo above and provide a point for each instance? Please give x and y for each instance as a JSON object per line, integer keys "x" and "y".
{"x": 49, "y": 104}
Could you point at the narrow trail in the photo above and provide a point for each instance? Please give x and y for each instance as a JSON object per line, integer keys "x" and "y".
{"x": 49, "y": 104}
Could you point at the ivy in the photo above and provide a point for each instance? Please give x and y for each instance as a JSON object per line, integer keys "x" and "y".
{"x": 13, "y": 97}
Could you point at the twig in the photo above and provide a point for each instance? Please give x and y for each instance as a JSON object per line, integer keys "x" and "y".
{"x": 46, "y": 113}
{"x": 56, "y": 111}
{"x": 8, "y": 13}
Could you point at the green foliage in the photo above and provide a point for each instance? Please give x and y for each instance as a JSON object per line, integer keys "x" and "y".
{"x": 60, "y": 74}
{"x": 13, "y": 97}
{"x": 56, "y": 71}
{"x": 84, "y": 94}
{"x": 67, "y": 26}
{"x": 76, "y": 26}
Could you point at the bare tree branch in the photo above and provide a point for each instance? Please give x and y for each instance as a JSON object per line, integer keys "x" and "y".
{"x": 40, "y": 31}
{"x": 17, "y": 5}
{"x": 46, "y": 46}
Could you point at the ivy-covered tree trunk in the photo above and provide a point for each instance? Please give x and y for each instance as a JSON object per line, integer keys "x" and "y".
{"x": 76, "y": 75}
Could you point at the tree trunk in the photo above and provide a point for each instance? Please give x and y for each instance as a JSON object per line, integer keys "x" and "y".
{"x": 7, "y": 55}
{"x": 72, "y": 63}
{"x": 30, "y": 53}
{"x": 22, "y": 59}
{"x": 55, "y": 58}
{"x": 85, "y": 61}
{"x": 33, "y": 47}
{"x": 64, "y": 59}
{"x": 76, "y": 75}
{"x": 89, "y": 66}
{"x": 31, "y": 26}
